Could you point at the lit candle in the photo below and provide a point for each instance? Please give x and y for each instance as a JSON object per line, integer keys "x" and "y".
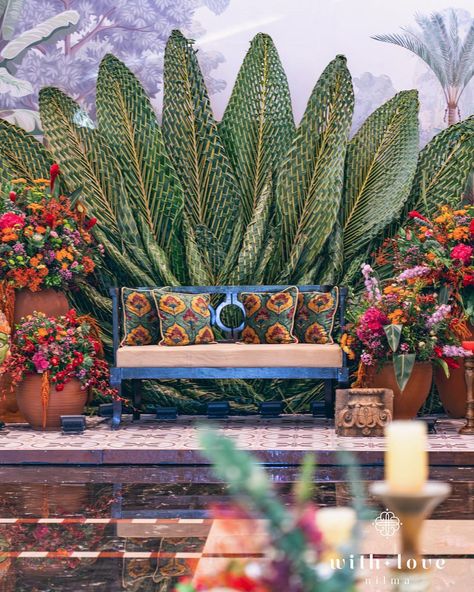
{"x": 406, "y": 458}
{"x": 335, "y": 525}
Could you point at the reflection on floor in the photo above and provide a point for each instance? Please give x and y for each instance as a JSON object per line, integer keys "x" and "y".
{"x": 140, "y": 529}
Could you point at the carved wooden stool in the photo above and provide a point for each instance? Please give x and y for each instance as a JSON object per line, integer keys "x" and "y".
{"x": 363, "y": 412}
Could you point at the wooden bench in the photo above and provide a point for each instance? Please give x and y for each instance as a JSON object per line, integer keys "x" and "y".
{"x": 227, "y": 359}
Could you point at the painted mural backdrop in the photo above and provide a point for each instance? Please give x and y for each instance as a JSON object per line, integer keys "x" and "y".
{"x": 61, "y": 42}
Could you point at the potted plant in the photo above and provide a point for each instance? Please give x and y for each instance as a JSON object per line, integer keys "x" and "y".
{"x": 45, "y": 247}
{"x": 54, "y": 364}
{"x": 439, "y": 253}
{"x": 396, "y": 332}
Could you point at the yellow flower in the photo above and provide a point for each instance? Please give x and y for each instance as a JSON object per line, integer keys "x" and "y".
{"x": 41, "y": 181}
{"x": 20, "y": 180}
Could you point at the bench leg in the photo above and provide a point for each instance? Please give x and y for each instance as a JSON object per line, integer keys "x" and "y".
{"x": 329, "y": 386}
{"x": 137, "y": 399}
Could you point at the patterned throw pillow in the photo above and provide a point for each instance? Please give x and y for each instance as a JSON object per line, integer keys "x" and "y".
{"x": 185, "y": 318}
{"x": 269, "y": 316}
{"x": 315, "y": 316}
{"x": 140, "y": 317}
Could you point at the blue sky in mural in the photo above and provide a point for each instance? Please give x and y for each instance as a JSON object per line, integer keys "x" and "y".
{"x": 308, "y": 34}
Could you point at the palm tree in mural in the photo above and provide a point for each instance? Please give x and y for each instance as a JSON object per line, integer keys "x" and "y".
{"x": 439, "y": 44}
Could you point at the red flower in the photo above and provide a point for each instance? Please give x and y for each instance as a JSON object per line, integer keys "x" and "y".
{"x": 91, "y": 223}
{"x": 54, "y": 360}
{"x": 438, "y": 351}
{"x": 416, "y": 215}
{"x": 462, "y": 252}
{"x": 468, "y": 280}
{"x": 12, "y": 196}
{"x": 53, "y": 173}
{"x": 452, "y": 363}
{"x": 50, "y": 220}
{"x": 471, "y": 227}
{"x": 60, "y": 386}
{"x": 9, "y": 220}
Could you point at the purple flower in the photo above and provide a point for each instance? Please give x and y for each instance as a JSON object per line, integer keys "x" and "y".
{"x": 371, "y": 283}
{"x": 414, "y": 272}
{"x": 66, "y": 274}
{"x": 19, "y": 249}
{"x": 367, "y": 359}
{"x": 455, "y": 351}
{"x": 439, "y": 315}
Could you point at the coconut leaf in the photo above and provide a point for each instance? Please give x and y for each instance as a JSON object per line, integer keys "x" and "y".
{"x": 310, "y": 180}
{"x": 443, "y": 168}
{"x": 212, "y": 198}
{"x": 128, "y": 123}
{"x": 380, "y": 165}
{"x": 257, "y": 127}
{"x": 21, "y": 155}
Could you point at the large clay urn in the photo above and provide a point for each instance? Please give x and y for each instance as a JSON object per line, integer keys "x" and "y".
{"x": 452, "y": 391}
{"x": 51, "y": 302}
{"x": 69, "y": 401}
{"x": 406, "y": 404}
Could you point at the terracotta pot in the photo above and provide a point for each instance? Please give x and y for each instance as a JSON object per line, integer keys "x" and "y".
{"x": 51, "y": 302}
{"x": 452, "y": 391}
{"x": 70, "y": 401}
{"x": 406, "y": 404}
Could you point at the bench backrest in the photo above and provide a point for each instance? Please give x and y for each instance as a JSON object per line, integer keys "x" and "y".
{"x": 230, "y": 297}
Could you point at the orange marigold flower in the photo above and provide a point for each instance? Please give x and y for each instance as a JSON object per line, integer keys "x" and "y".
{"x": 41, "y": 181}
{"x": 35, "y": 207}
{"x": 460, "y": 233}
{"x": 88, "y": 265}
{"x": 20, "y": 180}
{"x": 430, "y": 256}
{"x": 40, "y": 229}
{"x": 6, "y": 238}
{"x": 397, "y": 317}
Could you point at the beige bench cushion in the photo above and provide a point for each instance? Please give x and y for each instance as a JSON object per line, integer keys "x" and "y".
{"x": 231, "y": 355}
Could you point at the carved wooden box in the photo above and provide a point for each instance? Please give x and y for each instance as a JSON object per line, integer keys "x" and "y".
{"x": 363, "y": 412}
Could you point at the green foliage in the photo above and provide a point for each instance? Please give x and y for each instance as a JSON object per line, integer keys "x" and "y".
{"x": 309, "y": 185}
{"x": 393, "y": 333}
{"x": 248, "y": 201}
{"x": 403, "y": 366}
{"x": 212, "y": 201}
{"x": 443, "y": 168}
{"x": 380, "y": 165}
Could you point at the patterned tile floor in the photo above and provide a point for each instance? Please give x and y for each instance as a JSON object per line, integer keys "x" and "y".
{"x": 292, "y": 433}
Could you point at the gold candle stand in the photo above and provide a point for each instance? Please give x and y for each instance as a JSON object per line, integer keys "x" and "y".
{"x": 412, "y": 509}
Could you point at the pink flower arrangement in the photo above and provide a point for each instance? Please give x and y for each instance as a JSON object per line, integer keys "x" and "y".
{"x": 11, "y": 220}
{"x": 462, "y": 253}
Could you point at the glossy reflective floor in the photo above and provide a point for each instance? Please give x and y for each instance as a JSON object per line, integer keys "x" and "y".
{"x": 141, "y": 528}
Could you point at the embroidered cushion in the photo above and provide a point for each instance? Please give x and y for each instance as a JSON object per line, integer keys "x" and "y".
{"x": 140, "y": 317}
{"x": 185, "y": 318}
{"x": 315, "y": 316}
{"x": 269, "y": 316}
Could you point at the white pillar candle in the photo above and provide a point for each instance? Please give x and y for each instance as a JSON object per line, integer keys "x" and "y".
{"x": 335, "y": 525}
{"x": 406, "y": 458}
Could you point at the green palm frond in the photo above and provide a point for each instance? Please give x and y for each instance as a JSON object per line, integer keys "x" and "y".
{"x": 380, "y": 165}
{"x": 310, "y": 180}
{"x": 443, "y": 168}
{"x": 66, "y": 128}
{"x": 212, "y": 200}
{"x": 128, "y": 123}
{"x": 21, "y": 155}
{"x": 253, "y": 239}
{"x": 257, "y": 127}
